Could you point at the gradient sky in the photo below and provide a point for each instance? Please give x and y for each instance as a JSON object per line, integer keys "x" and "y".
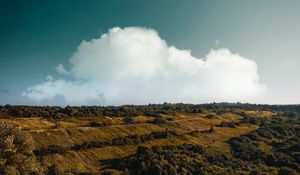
{"x": 36, "y": 36}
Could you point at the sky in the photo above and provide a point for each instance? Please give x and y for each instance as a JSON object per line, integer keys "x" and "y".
{"x": 139, "y": 52}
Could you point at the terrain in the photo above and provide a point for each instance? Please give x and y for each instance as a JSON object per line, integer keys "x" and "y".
{"x": 218, "y": 138}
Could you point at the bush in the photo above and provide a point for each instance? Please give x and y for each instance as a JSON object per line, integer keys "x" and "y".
{"x": 54, "y": 170}
{"x": 255, "y": 172}
{"x": 209, "y": 116}
{"x": 159, "y": 121}
{"x": 110, "y": 172}
{"x": 128, "y": 120}
{"x": 52, "y": 149}
{"x": 227, "y": 124}
{"x": 149, "y": 114}
{"x": 181, "y": 159}
{"x": 16, "y": 151}
{"x": 99, "y": 124}
{"x": 286, "y": 171}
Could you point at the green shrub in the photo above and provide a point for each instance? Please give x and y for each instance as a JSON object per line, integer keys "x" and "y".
{"x": 159, "y": 121}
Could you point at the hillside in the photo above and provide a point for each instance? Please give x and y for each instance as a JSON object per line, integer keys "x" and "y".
{"x": 162, "y": 139}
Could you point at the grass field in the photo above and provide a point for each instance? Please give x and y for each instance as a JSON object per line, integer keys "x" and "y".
{"x": 68, "y": 132}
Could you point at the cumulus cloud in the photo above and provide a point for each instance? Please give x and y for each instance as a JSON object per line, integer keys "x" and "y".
{"x": 134, "y": 65}
{"x": 61, "y": 70}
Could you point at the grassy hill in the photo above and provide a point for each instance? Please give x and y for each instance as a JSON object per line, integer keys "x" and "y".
{"x": 94, "y": 144}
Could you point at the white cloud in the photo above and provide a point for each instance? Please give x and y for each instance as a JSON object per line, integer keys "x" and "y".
{"x": 134, "y": 65}
{"x": 61, "y": 70}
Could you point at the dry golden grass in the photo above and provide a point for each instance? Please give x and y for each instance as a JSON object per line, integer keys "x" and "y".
{"x": 264, "y": 147}
{"x": 193, "y": 122}
{"x": 142, "y": 119}
{"x": 30, "y": 123}
{"x": 72, "y": 131}
{"x": 216, "y": 140}
{"x": 69, "y": 160}
{"x": 90, "y": 159}
{"x": 44, "y": 138}
{"x": 258, "y": 113}
{"x": 68, "y": 137}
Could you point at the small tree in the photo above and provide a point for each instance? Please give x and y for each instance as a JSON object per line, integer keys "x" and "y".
{"x": 128, "y": 120}
{"x": 54, "y": 170}
{"x": 16, "y": 151}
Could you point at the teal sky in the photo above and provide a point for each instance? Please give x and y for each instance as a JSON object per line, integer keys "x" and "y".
{"x": 36, "y": 36}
